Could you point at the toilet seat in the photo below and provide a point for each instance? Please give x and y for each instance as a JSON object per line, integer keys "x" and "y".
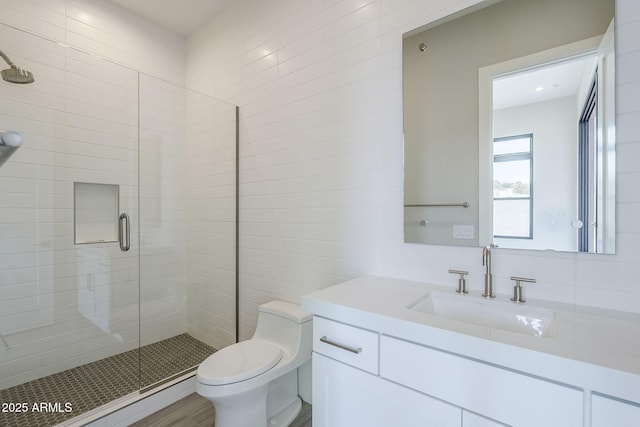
{"x": 239, "y": 362}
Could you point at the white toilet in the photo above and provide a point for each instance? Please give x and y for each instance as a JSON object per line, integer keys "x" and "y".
{"x": 254, "y": 383}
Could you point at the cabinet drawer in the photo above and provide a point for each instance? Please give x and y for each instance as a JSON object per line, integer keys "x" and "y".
{"x": 500, "y": 394}
{"x": 354, "y": 346}
{"x": 607, "y": 412}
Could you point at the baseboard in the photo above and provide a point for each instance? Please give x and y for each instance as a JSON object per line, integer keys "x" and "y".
{"x": 134, "y": 407}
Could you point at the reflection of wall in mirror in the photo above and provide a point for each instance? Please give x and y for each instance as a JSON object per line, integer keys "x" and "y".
{"x": 553, "y": 125}
{"x": 440, "y": 98}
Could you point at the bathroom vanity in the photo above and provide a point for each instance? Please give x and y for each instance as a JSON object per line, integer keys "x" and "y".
{"x": 390, "y": 352}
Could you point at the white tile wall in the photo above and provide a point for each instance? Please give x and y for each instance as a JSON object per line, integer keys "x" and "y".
{"x": 104, "y": 29}
{"x": 44, "y": 17}
{"x": 319, "y": 89}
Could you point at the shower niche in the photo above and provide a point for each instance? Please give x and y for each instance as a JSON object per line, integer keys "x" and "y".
{"x": 96, "y": 209}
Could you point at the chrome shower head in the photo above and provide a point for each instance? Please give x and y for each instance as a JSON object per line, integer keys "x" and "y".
{"x": 15, "y": 74}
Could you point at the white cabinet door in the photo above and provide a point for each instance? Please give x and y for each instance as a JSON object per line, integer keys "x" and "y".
{"x": 497, "y": 393}
{"x": 607, "y": 412}
{"x": 469, "y": 419}
{"x": 344, "y": 396}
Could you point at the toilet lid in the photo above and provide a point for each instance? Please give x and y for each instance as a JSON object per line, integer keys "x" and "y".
{"x": 239, "y": 362}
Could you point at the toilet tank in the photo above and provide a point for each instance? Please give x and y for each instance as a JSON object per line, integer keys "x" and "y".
{"x": 285, "y": 324}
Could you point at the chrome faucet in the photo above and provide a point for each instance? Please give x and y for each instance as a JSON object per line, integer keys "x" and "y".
{"x": 488, "y": 278}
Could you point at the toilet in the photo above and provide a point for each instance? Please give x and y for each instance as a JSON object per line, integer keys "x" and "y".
{"x": 254, "y": 383}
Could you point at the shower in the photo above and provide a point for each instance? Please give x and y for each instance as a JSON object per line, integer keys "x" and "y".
{"x": 82, "y": 322}
{"x": 15, "y": 74}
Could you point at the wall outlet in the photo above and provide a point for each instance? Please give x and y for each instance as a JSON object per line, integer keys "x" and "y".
{"x": 463, "y": 232}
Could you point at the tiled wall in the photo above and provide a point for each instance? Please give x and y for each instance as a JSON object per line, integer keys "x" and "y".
{"x": 319, "y": 89}
{"x": 104, "y": 29}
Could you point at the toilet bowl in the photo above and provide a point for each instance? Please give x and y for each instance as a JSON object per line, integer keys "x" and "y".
{"x": 254, "y": 383}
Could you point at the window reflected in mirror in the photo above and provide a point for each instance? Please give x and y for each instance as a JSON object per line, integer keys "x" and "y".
{"x": 512, "y": 182}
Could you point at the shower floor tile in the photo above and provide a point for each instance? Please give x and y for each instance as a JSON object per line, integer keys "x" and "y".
{"x": 56, "y": 398}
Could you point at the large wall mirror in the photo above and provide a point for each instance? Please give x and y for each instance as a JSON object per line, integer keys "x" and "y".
{"x": 509, "y": 127}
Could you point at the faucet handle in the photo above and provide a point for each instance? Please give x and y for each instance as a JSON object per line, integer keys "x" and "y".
{"x": 517, "y": 289}
{"x": 462, "y": 283}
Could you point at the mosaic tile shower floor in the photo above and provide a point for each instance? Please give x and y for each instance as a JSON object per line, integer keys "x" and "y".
{"x": 89, "y": 386}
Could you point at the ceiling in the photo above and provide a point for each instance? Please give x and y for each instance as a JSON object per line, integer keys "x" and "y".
{"x": 542, "y": 83}
{"x": 181, "y": 17}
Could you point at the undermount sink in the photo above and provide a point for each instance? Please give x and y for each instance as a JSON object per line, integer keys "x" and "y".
{"x": 527, "y": 320}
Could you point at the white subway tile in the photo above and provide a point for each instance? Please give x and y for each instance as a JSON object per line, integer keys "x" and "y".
{"x": 40, "y": 17}
{"x": 627, "y": 11}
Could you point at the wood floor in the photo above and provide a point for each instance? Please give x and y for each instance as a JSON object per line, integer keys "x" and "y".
{"x": 196, "y": 411}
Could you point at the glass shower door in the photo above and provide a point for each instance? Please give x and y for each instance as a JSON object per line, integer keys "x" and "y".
{"x": 187, "y": 229}
{"x": 69, "y": 312}
{"x": 102, "y": 165}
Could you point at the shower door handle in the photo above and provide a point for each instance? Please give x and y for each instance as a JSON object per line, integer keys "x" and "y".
{"x": 124, "y": 232}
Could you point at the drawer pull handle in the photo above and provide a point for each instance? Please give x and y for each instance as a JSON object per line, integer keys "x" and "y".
{"x": 341, "y": 346}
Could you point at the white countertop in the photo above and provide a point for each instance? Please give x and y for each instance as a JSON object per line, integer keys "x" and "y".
{"x": 591, "y": 349}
